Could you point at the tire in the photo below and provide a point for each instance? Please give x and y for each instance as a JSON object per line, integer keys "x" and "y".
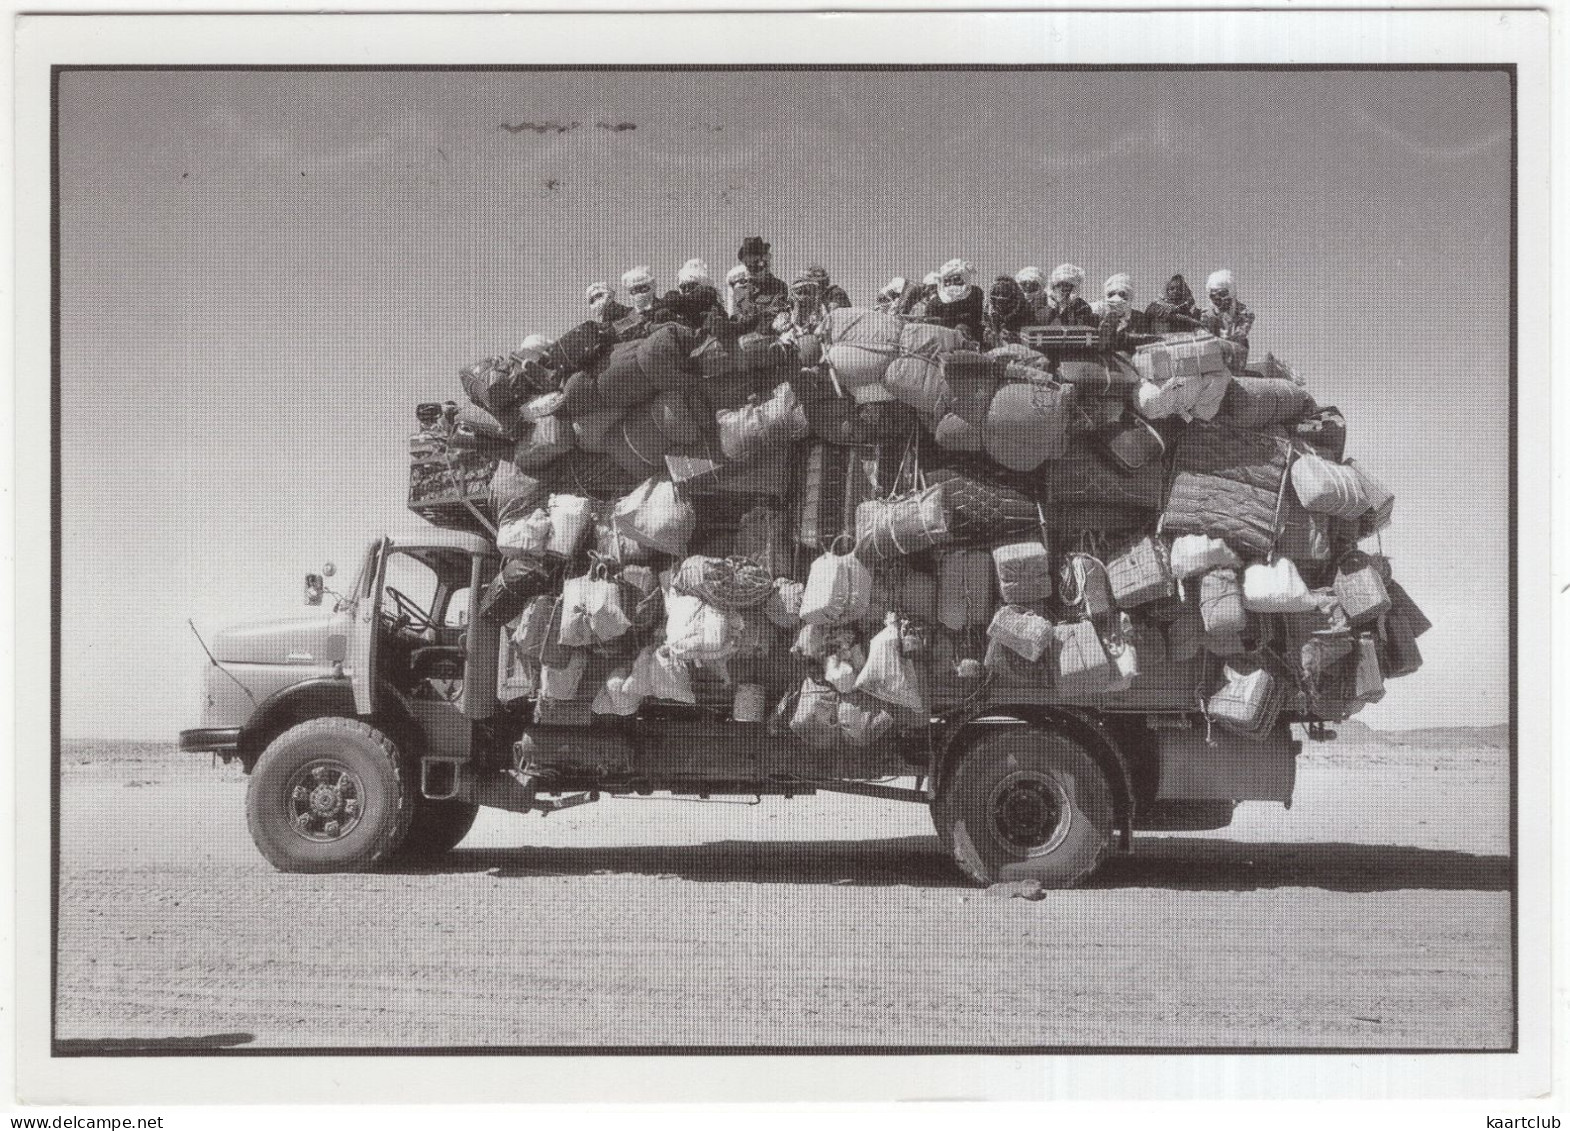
{"x": 329, "y": 795}
{"x": 437, "y": 828}
{"x": 1026, "y": 804}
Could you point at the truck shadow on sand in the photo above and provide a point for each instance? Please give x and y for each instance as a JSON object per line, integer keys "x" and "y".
{"x": 1173, "y": 863}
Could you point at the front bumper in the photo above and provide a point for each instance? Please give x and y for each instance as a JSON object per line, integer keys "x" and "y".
{"x": 219, "y": 740}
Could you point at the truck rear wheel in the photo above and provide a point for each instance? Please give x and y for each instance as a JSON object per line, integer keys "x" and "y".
{"x": 328, "y": 796}
{"x": 437, "y": 828}
{"x": 1026, "y": 804}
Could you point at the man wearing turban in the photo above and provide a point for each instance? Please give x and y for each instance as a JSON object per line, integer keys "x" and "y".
{"x": 695, "y": 301}
{"x": 959, "y": 304}
{"x": 1064, "y": 305}
{"x": 1226, "y": 317}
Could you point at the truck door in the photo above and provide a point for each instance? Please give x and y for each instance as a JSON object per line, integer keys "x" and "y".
{"x": 362, "y": 647}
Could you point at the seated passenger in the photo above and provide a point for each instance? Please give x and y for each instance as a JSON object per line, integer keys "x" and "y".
{"x": 807, "y": 310}
{"x": 765, "y": 296}
{"x": 959, "y": 302}
{"x": 1034, "y": 286}
{"x": 888, "y": 298}
{"x": 639, "y": 282}
{"x": 1064, "y": 306}
{"x": 1226, "y": 317}
{"x": 603, "y": 306}
{"x": 1008, "y": 312}
{"x": 1176, "y": 312}
{"x": 1116, "y": 307}
{"x": 918, "y": 297}
{"x": 735, "y": 280}
{"x": 833, "y": 295}
{"x": 694, "y": 302}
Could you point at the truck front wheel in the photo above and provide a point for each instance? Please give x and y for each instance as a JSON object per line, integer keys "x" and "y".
{"x": 328, "y": 796}
{"x": 1026, "y": 804}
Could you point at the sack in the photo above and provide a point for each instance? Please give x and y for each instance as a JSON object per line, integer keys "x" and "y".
{"x": 510, "y": 590}
{"x": 1024, "y": 572}
{"x": 571, "y": 517}
{"x": 664, "y": 676}
{"x": 1249, "y": 701}
{"x": 816, "y": 718}
{"x": 546, "y": 438}
{"x": 496, "y": 384}
{"x": 1132, "y": 443}
{"x": 696, "y": 630}
{"x": 1257, "y": 402}
{"x": 560, "y": 681}
{"x": 783, "y": 606}
{"x": 1082, "y": 666}
{"x": 1084, "y": 587}
{"x": 622, "y": 382}
{"x": 1027, "y": 424}
{"x": 1276, "y": 587}
{"x": 1022, "y": 631}
{"x": 1195, "y": 553}
{"x": 1397, "y": 645}
{"x": 841, "y": 668}
{"x": 521, "y": 537}
{"x": 514, "y": 494}
{"x": 888, "y": 673}
{"x": 860, "y": 344}
{"x": 1140, "y": 574}
{"x": 1360, "y": 587}
{"x": 1325, "y": 430}
{"x": 1221, "y": 607}
{"x": 593, "y": 430}
{"x": 838, "y": 590}
{"x": 892, "y": 528}
{"x": 591, "y": 611}
{"x": 862, "y": 721}
{"x": 964, "y": 589}
{"x": 613, "y": 698}
{"x": 665, "y": 357}
{"x": 654, "y": 515}
{"x": 1404, "y": 610}
{"x": 747, "y": 430}
{"x": 761, "y": 537}
{"x": 1330, "y": 488}
{"x": 1381, "y": 502}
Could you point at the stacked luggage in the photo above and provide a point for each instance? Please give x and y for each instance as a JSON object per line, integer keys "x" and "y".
{"x": 842, "y": 536}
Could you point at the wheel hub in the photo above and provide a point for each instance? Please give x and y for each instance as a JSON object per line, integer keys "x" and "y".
{"x": 324, "y": 800}
{"x": 1030, "y": 812}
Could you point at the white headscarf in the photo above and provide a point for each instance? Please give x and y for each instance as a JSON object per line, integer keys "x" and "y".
{"x": 535, "y": 345}
{"x": 1118, "y": 282}
{"x": 1222, "y": 278}
{"x": 954, "y": 292}
{"x": 696, "y": 271}
{"x": 598, "y": 295}
{"x": 1067, "y": 273}
{"x": 893, "y": 288}
{"x": 638, "y": 277}
{"x": 1030, "y": 275}
{"x": 735, "y": 275}
{"x": 930, "y": 279}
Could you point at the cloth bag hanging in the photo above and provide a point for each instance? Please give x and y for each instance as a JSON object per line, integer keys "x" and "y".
{"x": 1119, "y": 643}
{"x": 1022, "y": 631}
{"x": 1275, "y": 587}
{"x": 1084, "y": 587}
{"x": 1221, "y": 602}
{"x": 591, "y": 610}
{"x": 838, "y": 590}
{"x": 696, "y": 630}
{"x": 571, "y": 517}
{"x": 526, "y": 536}
{"x": 613, "y": 697}
{"x": 1359, "y": 585}
{"x": 1140, "y": 574}
{"x": 1250, "y": 699}
{"x": 1328, "y": 488}
{"x": 1082, "y": 664}
{"x": 964, "y": 589}
{"x": 1024, "y": 572}
{"x": 783, "y": 606}
{"x": 1193, "y": 554}
{"x": 657, "y": 516}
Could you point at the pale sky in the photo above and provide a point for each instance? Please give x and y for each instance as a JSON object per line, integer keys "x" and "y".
{"x": 263, "y": 272}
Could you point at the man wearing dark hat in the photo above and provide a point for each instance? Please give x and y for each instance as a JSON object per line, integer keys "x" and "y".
{"x": 764, "y": 295}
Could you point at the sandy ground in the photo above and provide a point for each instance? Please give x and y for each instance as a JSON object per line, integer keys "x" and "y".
{"x": 1373, "y": 914}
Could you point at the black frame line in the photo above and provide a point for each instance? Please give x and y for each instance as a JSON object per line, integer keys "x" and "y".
{"x": 71, "y": 1048}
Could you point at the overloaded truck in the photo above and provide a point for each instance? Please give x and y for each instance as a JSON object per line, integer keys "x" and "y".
{"x": 1058, "y": 591}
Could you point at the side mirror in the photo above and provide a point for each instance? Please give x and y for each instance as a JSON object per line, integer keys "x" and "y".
{"x": 314, "y": 589}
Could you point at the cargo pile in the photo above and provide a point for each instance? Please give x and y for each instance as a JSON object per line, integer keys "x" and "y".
{"x": 847, "y": 534}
